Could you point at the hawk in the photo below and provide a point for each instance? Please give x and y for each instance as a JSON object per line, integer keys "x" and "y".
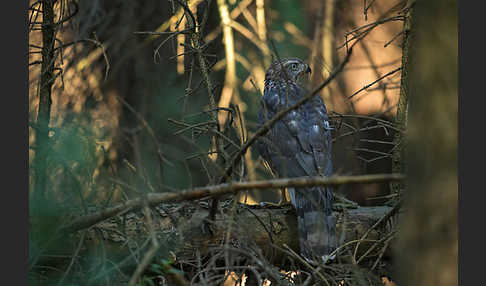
{"x": 300, "y": 145}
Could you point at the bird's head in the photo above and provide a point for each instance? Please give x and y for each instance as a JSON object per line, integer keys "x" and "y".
{"x": 289, "y": 68}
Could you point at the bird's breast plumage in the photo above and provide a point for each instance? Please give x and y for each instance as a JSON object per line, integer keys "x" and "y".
{"x": 301, "y": 131}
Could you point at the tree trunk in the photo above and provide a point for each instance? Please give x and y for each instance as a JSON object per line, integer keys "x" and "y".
{"x": 45, "y": 100}
{"x": 427, "y": 248}
{"x": 399, "y": 162}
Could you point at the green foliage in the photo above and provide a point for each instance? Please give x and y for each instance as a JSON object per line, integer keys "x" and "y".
{"x": 72, "y": 161}
{"x": 161, "y": 267}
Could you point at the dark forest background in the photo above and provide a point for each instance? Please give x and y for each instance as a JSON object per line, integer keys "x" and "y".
{"x": 124, "y": 99}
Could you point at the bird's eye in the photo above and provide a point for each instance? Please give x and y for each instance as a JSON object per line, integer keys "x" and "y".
{"x": 294, "y": 66}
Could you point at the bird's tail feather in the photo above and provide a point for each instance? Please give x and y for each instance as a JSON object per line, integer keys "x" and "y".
{"x": 317, "y": 231}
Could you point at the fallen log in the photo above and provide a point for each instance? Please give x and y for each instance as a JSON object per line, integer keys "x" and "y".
{"x": 180, "y": 232}
{"x": 277, "y": 226}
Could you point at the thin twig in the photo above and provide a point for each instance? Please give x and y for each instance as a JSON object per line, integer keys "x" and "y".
{"x": 304, "y": 262}
{"x": 75, "y": 255}
{"x": 391, "y": 213}
{"x": 377, "y": 80}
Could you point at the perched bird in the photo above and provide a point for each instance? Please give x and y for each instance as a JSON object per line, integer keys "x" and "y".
{"x": 300, "y": 145}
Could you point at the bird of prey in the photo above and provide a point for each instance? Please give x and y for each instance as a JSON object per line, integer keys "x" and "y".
{"x": 300, "y": 145}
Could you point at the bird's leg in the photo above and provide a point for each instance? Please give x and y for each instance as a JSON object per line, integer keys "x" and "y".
{"x": 206, "y": 226}
{"x": 340, "y": 202}
{"x": 284, "y": 198}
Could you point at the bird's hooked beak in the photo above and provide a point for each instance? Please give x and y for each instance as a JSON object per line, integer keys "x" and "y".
{"x": 306, "y": 71}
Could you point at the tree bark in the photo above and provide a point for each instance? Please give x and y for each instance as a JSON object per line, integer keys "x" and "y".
{"x": 399, "y": 162}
